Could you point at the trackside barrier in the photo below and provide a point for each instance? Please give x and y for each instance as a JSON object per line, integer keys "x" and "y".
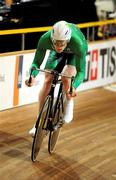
{"x": 90, "y": 35}
{"x": 14, "y": 70}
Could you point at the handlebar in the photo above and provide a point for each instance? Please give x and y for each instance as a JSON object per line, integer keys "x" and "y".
{"x": 54, "y": 73}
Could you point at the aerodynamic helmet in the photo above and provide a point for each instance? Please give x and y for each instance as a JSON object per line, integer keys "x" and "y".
{"x": 61, "y": 31}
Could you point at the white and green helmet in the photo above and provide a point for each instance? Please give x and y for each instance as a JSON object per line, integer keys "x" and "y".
{"x": 61, "y": 31}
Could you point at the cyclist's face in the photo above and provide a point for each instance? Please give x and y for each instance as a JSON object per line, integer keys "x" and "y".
{"x": 59, "y": 45}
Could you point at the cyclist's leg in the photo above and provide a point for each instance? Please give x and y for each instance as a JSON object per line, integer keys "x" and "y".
{"x": 69, "y": 70}
{"x": 44, "y": 90}
{"x": 69, "y": 103}
{"x": 55, "y": 61}
{"x": 50, "y": 64}
{"x": 41, "y": 97}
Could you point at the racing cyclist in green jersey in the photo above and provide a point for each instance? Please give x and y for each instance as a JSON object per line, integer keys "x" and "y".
{"x": 68, "y": 48}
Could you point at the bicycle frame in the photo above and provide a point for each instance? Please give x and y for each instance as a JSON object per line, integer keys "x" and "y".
{"x": 49, "y": 115}
{"x": 55, "y": 81}
{"x": 53, "y": 108}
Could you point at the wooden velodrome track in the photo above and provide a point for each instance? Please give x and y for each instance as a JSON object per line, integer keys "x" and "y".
{"x": 86, "y": 149}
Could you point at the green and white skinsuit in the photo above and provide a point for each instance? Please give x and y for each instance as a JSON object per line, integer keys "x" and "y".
{"x": 75, "y": 53}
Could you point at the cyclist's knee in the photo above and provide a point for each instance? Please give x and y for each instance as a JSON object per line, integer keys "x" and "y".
{"x": 69, "y": 70}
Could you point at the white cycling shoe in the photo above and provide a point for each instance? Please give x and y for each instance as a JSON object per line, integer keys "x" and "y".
{"x": 67, "y": 117}
{"x": 32, "y": 131}
{"x": 68, "y": 111}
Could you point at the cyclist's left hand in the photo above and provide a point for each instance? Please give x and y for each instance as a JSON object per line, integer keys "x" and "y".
{"x": 74, "y": 93}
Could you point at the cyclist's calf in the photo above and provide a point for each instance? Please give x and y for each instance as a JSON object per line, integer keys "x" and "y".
{"x": 68, "y": 70}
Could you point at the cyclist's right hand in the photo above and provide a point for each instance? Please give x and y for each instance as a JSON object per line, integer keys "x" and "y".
{"x": 30, "y": 82}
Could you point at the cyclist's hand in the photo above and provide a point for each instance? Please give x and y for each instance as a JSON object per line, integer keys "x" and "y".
{"x": 30, "y": 82}
{"x": 73, "y": 94}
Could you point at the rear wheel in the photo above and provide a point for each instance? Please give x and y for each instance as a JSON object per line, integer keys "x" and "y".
{"x": 41, "y": 130}
{"x": 53, "y": 136}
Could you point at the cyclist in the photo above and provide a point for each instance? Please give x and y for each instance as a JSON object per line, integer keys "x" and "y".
{"x": 68, "y": 48}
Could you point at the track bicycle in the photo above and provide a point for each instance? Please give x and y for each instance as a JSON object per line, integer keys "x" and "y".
{"x": 50, "y": 117}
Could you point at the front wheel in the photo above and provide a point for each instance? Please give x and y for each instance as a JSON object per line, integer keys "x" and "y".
{"x": 40, "y": 129}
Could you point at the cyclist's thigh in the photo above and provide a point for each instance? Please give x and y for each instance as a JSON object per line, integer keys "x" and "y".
{"x": 48, "y": 78}
{"x": 69, "y": 69}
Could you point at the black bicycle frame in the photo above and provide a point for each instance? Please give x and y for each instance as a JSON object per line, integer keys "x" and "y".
{"x": 51, "y": 94}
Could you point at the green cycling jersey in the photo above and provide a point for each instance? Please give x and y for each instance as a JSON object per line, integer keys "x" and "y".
{"x": 77, "y": 46}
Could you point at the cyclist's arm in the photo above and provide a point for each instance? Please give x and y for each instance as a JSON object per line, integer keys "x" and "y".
{"x": 38, "y": 59}
{"x": 43, "y": 44}
{"x": 80, "y": 67}
{"x": 79, "y": 47}
{"x": 80, "y": 60}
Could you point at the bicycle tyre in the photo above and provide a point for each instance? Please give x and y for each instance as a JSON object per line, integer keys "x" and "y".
{"x": 53, "y": 136}
{"x": 40, "y": 129}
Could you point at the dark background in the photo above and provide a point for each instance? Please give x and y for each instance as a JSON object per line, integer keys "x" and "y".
{"x": 38, "y": 13}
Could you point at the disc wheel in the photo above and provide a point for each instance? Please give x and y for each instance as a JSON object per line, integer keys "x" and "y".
{"x": 53, "y": 136}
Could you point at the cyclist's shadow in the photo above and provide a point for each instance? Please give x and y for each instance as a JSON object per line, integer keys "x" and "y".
{"x": 14, "y": 146}
{"x": 67, "y": 168}
{"x": 65, "y": 165}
